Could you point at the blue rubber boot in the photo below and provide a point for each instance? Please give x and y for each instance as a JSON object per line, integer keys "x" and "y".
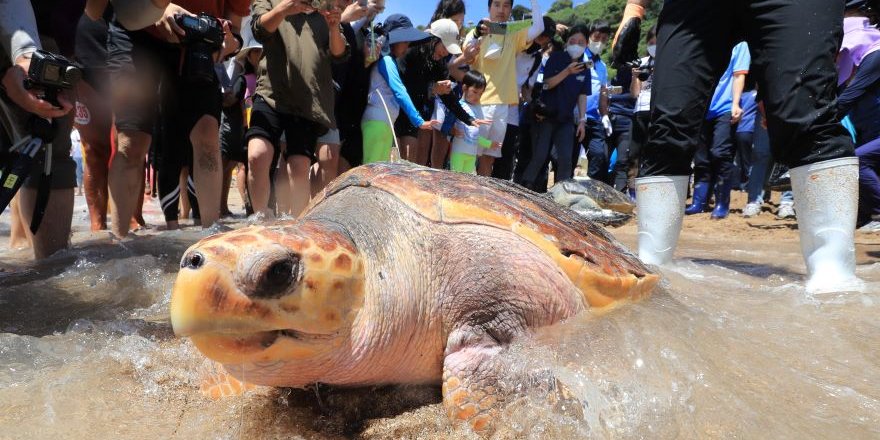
{"x": 722, "y": 200}
{"x": 701, "y": 198}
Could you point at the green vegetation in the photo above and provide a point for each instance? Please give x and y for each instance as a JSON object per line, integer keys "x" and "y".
{"x": 608, "y": 10}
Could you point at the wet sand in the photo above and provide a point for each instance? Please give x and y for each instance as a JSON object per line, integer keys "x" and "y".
{"x": 729, "y": 347}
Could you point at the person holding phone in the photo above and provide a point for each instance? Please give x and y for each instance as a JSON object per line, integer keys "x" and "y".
{"x": 598, "y": 120}
{"x": 567, "y": 83}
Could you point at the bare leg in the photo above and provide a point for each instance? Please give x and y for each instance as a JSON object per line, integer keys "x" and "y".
{"x": 344, "y": 166}
{"x": 484, "y": 168}
{"x": 137, "y": 220}
{"x": 185, "y": 207}
{"x": 260, "y": 153}
{"x": 328, "y": 164}
{"x": 283, "y": 195}
{"x": 126, "y": 177}
{"x": 207, "y": 168}
{"x": 19, "y": 236}
{"x": 298, "y": 172}
{"x": 408, "y": 145}
{"x": 54, "y": 232}
{"x": 241, "y": 183}
{"x": 423, "y": 148}
{"x": 228, "y": 168}
{"x": 439, "y": 150}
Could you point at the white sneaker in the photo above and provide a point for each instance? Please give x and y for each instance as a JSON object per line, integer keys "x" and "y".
{"x": 786, "y": 211}
{"x": 752, "y": 210}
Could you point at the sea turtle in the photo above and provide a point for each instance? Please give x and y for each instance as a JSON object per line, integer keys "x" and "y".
{"x": 399, "y": 274}
{"x": 594, "y": 200}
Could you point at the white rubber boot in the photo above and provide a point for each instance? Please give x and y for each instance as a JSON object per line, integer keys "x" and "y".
{"x": 827, "y": 197}
{"x": 660, "y": 201}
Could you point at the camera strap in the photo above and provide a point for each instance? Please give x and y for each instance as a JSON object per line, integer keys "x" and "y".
{"x": 44, "y": 189}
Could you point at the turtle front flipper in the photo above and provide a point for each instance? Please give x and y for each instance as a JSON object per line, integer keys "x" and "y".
{"x": 216, "y": 384}
{"x": 474, "y": 391}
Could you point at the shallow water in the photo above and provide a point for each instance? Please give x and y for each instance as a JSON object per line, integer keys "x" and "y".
{"x": 729, "y": 347}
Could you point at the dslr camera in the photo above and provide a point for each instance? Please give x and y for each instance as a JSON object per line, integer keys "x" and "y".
{"x": 52, "y": 73}
{"x": 644, "y": 72}
{"x": 204, "y": 37}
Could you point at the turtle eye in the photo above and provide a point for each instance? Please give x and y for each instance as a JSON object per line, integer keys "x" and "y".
{"x": 277, "y": 277}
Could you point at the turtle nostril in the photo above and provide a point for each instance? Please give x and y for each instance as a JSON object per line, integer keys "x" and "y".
{"x": 194, "y": 260}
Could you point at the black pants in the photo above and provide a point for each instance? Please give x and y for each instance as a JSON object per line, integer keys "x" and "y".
{"x": 503, "y": 167}
{"x": 713, "y": 161}
{"x": 743, "y": 162}
{"x": 620, "y": 140}
{"x": 793, "y": 45}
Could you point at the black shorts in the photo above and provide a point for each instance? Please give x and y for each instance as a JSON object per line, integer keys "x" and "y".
{"x": 232, "y": 144}
{"x": 267, "y": 123}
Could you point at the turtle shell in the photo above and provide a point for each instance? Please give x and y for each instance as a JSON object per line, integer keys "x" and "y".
{"x": 596, "y": 263}
{"x": 604, "y": 195}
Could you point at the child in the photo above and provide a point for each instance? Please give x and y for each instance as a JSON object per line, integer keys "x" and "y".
{"x": 470, "y": 141}
{"x": 388, "y": 96}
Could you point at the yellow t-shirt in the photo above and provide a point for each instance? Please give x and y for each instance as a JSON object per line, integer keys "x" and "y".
{"x": 500, "y": 72}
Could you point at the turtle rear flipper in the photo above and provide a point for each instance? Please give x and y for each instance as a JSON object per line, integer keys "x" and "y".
{"x": 474, "y": 391}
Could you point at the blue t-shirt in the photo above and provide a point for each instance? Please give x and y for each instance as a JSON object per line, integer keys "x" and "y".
{"x": 599, "y": 78}
{"x": 750, "y": 111}
{"x": 722, "y": 102}
{"x": 564, "y": 97}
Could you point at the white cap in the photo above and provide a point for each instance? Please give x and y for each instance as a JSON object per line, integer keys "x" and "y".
{"x": 447, "y": 31}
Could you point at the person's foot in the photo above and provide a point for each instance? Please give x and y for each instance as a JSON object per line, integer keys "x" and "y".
{"x": 873, "y": 226}
{"x": 786, "y": 211}
{"x": 751, "y": 210}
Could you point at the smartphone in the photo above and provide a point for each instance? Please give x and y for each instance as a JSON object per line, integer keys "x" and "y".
{"x": 615, "y": 90}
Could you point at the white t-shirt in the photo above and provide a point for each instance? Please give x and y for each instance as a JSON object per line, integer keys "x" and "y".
{"x": 468, "y": 143}
{"x": 75, "y": 144}
{"x": 643, "y": 102}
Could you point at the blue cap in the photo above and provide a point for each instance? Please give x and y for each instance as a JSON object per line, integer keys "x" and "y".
{"x": 400, "y": 30}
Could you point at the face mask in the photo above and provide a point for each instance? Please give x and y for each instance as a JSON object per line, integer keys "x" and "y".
{"x": 575, "y": 51}
{"x": 652, "y": 50}
{"x": 596, "y": 47}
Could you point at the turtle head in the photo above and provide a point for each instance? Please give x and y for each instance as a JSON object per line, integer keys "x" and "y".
{"x": 286, "y": 293}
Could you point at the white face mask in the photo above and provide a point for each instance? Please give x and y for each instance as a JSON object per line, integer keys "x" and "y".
{"x": 575, "y": 51}
{"x": 596, "y": 47}
{"x": 652, "y": 50}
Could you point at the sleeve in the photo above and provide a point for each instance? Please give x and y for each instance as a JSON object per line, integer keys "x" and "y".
{"x": 866, "y": 77}
{"x": 388, "y": 69}
{"x": 260, "y": 33}
{"x": 555, "y": 65}
{"x": 743, "y": 59}
{"x": 454, "y": 106}
{"x": 537, "y": 24}
{"x": 18, "y": 29}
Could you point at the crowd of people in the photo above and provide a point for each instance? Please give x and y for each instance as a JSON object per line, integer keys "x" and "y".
{"x": 285, "y": 95}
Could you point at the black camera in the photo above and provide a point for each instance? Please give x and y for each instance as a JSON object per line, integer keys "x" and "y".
{"x": 204, "y": 37}
{"x": 644, "y": 73}
{"x": 52, "y": 73}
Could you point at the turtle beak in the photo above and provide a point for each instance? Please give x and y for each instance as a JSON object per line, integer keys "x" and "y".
{"x": 205, "y": 300}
